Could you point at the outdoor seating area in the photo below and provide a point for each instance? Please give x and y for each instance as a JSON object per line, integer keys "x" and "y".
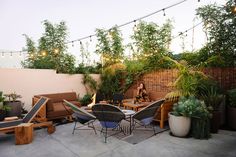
{"x": 118, "y": 78}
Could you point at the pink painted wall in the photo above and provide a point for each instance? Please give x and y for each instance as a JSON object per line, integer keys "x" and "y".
{"x": 30, "y": 82}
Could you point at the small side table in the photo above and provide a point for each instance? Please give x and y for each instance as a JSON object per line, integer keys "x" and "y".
{"x": 128, "y": 114}
{"x": 24, "y": 133}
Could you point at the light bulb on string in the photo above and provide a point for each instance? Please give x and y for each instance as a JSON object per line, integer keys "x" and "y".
{"x": 72, "y": 43}
{"x": 164, "y": 13}
{"x": 11, "y": 54}
{"x": 186, "y": 33}
{"x": 233, "y": 9}
{"x": 56, "y": 50}
{"x": 20, "y": 54}
{"x": 43, "y": 53}
{"x": 135, "y": 24}
{"x": 90, "y": 38}
{"x": 80, "y": 42}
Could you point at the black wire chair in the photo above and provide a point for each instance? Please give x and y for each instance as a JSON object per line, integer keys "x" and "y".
{"x": 109, "y": 117}
{"x": 82, "y": 116}
{"x": 145, "y": 116}
{"x": 117, "y": 99}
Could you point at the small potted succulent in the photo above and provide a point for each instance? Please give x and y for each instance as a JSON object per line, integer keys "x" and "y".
{"x": 3, "y": 108}
{"x": 14, "y": 103}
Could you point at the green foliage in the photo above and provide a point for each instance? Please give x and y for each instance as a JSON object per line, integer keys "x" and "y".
{"x": 50, "y": 53}
{"x": 151, "y": 43}
{"x": 112, "y": 80}
{"x": 2, "y": 98}
{"x": 134, "y": 69}
{"x": 87, "y": 99}
{"x": 219, "y": 24}
{"x": 89, "y": 83}
{"x": 2, "y": 106}
{"x": 13, "y": 96}
{"x": 189, "y": 107}
{"x": 211, "y": 96}
{"x": 188, "y": 79}
{"x": 110, "y": 46}
{"x": 232, "y": 97}
{"x": 82, "y": 69}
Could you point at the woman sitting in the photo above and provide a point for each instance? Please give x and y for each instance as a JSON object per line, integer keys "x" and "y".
{"x": 141, "y": 94}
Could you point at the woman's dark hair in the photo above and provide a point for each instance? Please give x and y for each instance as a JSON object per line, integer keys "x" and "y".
{"x": 143, "y": 85}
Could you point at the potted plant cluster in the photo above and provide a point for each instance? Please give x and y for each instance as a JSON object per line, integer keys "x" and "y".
{"x": 14, "y": 103}
{"x": 3, "y": 108}
{"x": 189, "y": 114}
{"x": 213, "y": 100}
{"x": 231, "y": 109}
{"x": 179, "y": 119}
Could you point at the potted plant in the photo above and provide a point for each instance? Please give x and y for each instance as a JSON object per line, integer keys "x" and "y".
{"x": 3, "y": 108}
{"x": 213, "y": 100}
{"x": 180, "y": 117}
{"x": 231, "y": 109}
{"x": 14, "y": 103}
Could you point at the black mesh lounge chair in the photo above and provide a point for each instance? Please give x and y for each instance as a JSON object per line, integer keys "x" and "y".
{"x": 118, "y": 99}
{"x": 9, "y": 126}
{"x": 82, "y": 116}
{"x": 109, "y": 117}
{"x": 145, "y": 116}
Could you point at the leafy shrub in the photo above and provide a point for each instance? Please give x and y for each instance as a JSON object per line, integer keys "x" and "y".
{"x": 87, "y": 99}
{"x": 232, "y": 97}
{"x": 190, "y": 107}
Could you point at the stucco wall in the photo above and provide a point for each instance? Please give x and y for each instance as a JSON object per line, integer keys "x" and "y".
{"x": 29, "y": 82}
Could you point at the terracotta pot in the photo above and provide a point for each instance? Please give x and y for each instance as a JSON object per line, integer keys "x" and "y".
{"x": 179, "y": 125}
{"x": 231, "y": 117}
{"x": 215, "y": 121}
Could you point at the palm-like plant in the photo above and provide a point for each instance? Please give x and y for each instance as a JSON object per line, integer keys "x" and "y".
{"x": 188, "y": 79}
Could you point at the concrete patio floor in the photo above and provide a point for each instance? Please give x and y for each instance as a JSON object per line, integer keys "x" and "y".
{"x": 86, "y": 144}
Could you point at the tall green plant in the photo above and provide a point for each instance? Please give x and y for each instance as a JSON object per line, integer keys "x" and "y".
{"x": 219, "y": 22}
{"x": 188, "y": 79}
{"x": 110, "y": 46}
{"x": 50, "y": 53}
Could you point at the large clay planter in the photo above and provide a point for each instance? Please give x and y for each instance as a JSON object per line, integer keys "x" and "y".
{"x": 15, "y": 108}
{"x": 231, "y": 116}
{"x": 179, "y": 125}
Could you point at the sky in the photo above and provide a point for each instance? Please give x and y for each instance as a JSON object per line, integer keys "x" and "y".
{"x": 82, "y": 17}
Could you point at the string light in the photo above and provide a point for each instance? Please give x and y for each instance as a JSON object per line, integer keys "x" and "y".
{"x": 164, "y": 14}
{"x": 11, "y": 54}
{"x": 127, "y": 23}
{"x": 43, "y": 53}
{"x": 56, "y": 51}
{"x": 234, "y": 9}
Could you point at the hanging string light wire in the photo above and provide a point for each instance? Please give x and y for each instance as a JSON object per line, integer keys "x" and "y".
{"x": 133, "y": 21}
{"x": 119, "y": 26}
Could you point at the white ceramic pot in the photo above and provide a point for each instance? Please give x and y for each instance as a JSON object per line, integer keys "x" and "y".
{"x": 179, "y": 125}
